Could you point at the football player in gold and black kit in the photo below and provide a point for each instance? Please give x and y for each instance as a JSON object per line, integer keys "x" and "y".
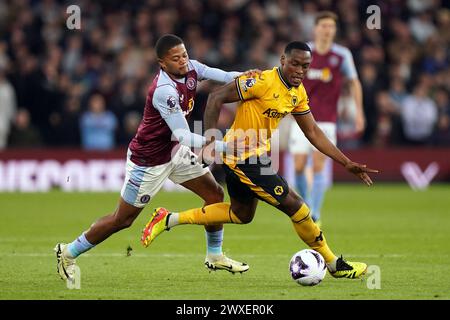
{"x": 264, "y": 101}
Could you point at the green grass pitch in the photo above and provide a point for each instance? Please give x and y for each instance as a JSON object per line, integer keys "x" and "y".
{"x": 405, "y": 233}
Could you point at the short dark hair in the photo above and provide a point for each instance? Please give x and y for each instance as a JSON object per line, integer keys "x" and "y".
{"x": 326, "y": 15}
{"x": 296, "y": 45}
{"x": 165, "y": 43}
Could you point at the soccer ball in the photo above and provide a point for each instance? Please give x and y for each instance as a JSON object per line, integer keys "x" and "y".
{"x": 307, "y": 267}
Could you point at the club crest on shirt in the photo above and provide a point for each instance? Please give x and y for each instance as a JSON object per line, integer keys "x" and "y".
{"x": 191, "y": 84}
{"x": 294, "y": 100}
{"x": 247, "y": 83}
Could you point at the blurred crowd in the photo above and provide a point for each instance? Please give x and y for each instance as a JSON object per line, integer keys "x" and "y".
{"x": 87, "y": 87}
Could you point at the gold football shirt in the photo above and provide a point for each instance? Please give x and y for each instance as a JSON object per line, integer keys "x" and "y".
{"x": 265, "y": 100}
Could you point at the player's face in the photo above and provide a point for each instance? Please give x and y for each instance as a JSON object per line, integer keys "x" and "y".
{"x": 325, "y": 30}
{"x": 175, "y": 62}
{"x": 295, "y": 65}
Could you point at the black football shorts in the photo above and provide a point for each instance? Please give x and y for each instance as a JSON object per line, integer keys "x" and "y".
{"x": 255, "y": 178}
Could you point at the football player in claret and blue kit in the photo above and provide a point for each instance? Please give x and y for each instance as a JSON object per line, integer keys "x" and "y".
{"x": 160, "y": 150}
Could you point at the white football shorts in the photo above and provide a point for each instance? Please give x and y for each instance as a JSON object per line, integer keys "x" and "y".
{"x": 299, "y": 144}
{"x": 143, "y": 183}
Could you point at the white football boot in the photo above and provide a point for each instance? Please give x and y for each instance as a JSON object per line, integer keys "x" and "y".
{"x": 64, "y": 266}
{"x": 222, "y": 262}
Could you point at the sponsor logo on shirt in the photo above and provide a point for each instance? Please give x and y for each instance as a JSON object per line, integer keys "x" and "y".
{"x": 274, "y": 113}
{"x": 190, "y": 106}
{"x": 333, "y": 61}
{"x": 324, "y": 74}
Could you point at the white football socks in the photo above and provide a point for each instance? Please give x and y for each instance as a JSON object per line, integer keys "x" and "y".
{"x": 332, "y": 265}
{"x": 173, "y": 219}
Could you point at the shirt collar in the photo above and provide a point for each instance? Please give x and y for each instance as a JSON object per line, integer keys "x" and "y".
{"x": 282, "y": 79}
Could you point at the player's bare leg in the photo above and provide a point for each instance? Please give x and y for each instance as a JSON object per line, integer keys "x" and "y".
{"x": 244, "y": 211}
{"x": 213, "y": 214}
{"x": 294, "y": 206}
{"x": 209, "y": 190}
{"x": 121, "y": 218}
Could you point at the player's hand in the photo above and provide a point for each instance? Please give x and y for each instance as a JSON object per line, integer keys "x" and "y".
{"x": 361, "y": 171}
{"x": 207, "y": 154}
{"x": 252, "y": 73}
{"x": 238, "y": 147}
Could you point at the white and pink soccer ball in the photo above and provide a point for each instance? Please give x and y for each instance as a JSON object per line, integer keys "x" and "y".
{"x": 307, "y": 267}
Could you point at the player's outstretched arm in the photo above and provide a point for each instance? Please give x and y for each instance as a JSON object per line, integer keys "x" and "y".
{"x": 208, "y": 73}
{"x": 224, "y": 94}
{"x": 324, "y": 145}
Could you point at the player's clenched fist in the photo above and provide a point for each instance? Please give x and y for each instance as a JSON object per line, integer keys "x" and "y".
{"x": 210, "y": 153}
{"x": 207, "y": 153}
{"x": 252, "y": 73}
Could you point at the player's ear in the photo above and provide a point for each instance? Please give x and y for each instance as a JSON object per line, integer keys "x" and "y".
{"x": 283, "y": 59}
{"x": 161, "y": 63}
